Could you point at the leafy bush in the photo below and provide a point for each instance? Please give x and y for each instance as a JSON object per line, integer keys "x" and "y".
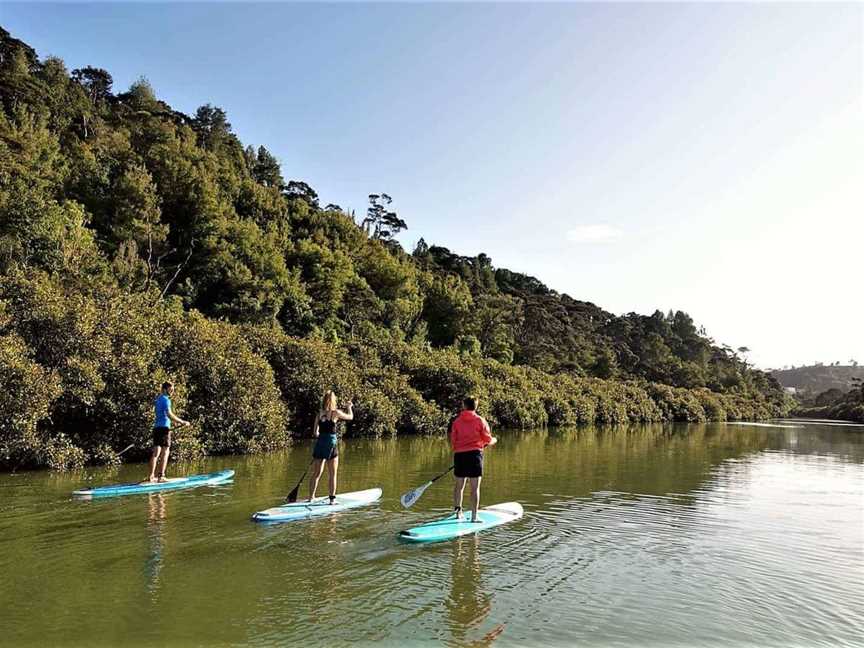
{"x": 303, "y": 371}
{"x": 28, "y": 393}
{"x": 559, "y": 411}
{"x": 232, "y": 391}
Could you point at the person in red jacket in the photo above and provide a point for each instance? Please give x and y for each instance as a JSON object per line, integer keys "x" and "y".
{"x": 469, "y": 434}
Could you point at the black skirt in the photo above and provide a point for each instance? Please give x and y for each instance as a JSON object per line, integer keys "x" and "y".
{"x": 468, "y": 464}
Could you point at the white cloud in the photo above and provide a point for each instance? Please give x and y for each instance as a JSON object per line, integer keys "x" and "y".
{"x": 594, "y": 233}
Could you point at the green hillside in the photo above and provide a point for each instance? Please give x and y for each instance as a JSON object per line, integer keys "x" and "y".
{"x": 138, "y": 243}
{"x": 819, "y": 378}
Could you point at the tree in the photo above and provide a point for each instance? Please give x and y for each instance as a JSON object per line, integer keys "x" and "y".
{"x": 297, "y": 190}
{"x": 468, "y": 345}
{"x": 857, "y": 389}
{"x": 141, "y": 96}
{"x": 494, "y": 320}
{"x": 212, "y": 127}
{"x": 266, "y": 169}
{"x": 446, "y": 307}
{"x": 95, "y": 81}
{"x": 11, "y": 48}
{"x": 421, "y": 250}
{"x": 18, "y": 67}
{"x": 380, "y": 223}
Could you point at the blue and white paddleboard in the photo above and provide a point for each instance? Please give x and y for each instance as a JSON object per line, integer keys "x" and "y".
{"x": 450, "y": 527}
{"x": 151, "y": 487}
{"x": 318, "y": 506}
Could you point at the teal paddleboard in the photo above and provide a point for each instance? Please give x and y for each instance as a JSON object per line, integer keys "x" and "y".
{"x": 450, "y": 527}
{"x": 318, "y": 506}
{"x": 173, "y": 483}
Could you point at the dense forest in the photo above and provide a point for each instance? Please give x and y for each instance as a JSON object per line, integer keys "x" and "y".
{"x": 138, "y": 243}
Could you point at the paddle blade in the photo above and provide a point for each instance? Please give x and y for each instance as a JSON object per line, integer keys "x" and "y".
{"x": 409, "y": 498}
{"x": 292, "y": 496}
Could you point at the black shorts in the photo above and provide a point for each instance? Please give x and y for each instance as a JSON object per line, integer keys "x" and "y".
{"x": 162, "y": 437}
{"x": 468, "y": 464}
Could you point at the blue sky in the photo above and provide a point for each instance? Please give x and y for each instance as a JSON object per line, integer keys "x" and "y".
{"x": 703, "y": 157}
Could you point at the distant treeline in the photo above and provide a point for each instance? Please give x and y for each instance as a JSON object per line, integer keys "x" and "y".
{"x": 819, "y": 378}
{"x": 833, "y": 403}
{"x": 138, "y": 243}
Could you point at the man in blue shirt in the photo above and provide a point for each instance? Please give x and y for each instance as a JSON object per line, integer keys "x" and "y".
{"x": 162, "y": 432}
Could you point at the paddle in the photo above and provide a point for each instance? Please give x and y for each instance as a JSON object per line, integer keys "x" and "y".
{"x": 291, "y": 497}
{"x": 409, "y": 498}
{"x": 129, "y": 447}
{"x": 132, "y": 445}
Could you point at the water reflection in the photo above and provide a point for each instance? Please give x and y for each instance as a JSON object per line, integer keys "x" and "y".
{"x": 469, "y": 602}
{"x": 155, "y": 527}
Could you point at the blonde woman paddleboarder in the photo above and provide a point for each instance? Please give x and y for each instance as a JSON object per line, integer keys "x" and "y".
{"x": 327, "y": 440}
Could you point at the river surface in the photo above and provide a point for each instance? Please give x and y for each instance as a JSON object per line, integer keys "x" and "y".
{"x": 700, "y": 535}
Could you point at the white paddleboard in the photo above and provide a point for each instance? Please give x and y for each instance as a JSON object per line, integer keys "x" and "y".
{"x": 318, "y": 506}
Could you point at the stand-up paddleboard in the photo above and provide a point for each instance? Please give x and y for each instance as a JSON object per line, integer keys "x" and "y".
{"x": 318, "y": 506}
{"x": 151, "y": 487}
{"x": 450, "y": 527}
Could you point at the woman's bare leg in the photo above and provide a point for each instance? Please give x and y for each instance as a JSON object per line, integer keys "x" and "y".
{"x": 332, "y": 467}
{"x": 314, "y": 476}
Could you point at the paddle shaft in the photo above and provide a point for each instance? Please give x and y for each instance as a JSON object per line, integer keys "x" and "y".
{"x": 292, "y": 496}
{"x": 132, "y": 445}
{"x": 442, "y": 474}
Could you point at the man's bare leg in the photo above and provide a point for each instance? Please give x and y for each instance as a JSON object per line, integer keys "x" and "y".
{"x": 154, "y": 457}
{"x": 164, "y": 462}
{"x": 458, "y": 488}
{"x": 475, "y": 497}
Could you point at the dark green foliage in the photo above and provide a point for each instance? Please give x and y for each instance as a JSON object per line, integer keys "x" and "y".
{"x": 834, "y": 404}
{"x": 231, "y": 389}
{"x": 26, "y": 397}
{"x": 139, "y": 244}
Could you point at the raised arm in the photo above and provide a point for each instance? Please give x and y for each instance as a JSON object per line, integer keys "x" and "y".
{"x": 348, "y": 414}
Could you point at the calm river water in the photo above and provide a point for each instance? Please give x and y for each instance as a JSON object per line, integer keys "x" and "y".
{"x": 712, "y": 535}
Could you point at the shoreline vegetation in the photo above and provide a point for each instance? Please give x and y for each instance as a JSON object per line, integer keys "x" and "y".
{"x": 139, "y": 244}
{"x": 847, "y": 408}
{"x": 822, "y": 391}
